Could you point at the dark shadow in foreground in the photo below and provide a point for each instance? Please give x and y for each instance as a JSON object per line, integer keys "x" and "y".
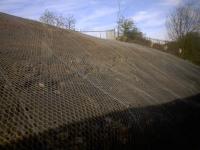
{"x": 174, "y": 125}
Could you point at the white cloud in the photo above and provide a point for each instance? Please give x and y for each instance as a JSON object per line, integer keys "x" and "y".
{"x": 101, "y": 12}
{"x": 33, "y": 9}
{"x": 144, "y": 15}
{"x": 158, "y": 34}
{"x": 86, "y": 12}
{"x": 92, "y": 14}
{"x": 171, "y": 2}
{"x": 92, "y": 20}
{"x": 149, "y": 18}
{"x": 151, "y": 22}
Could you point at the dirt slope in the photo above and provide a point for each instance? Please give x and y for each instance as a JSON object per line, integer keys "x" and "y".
{"x": 62, "y": 89}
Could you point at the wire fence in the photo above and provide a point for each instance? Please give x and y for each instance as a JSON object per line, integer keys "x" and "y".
{"x": 112, "y": 34}
{"x": 157, "y": 41}
{"x": 103, "y": 34}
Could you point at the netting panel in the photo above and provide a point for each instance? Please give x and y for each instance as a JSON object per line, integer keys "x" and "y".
{"x": 64, "y": 90}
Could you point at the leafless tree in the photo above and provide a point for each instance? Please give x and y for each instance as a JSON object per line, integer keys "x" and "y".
{"x": 70, "y": 22}
{"x": 60, "y": 21}
{"x": 48, "y": 17}
{"x": 52, "y": 18}
{"x": 183, "y": 20}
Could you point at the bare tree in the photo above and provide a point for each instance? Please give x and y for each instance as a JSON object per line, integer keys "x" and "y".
{"x": 52, "y": 18}
{"x": 70, "y": 22}
{"x": 48, "y": 17}
{"x": 183, "y": 20}
{"x": 60, "y": 21}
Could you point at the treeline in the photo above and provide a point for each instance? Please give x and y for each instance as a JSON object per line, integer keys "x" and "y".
{"x": 183, "y": 26}
{"x": 58, "y": 20}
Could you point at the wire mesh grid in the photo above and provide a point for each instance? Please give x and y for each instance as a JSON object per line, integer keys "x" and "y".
{"x": 62, "y": 90}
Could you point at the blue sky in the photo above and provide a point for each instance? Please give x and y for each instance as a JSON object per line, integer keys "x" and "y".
{"x": 149, "y": 15}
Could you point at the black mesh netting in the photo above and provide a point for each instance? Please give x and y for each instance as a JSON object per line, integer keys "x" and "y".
{"x": 63, "y": 90}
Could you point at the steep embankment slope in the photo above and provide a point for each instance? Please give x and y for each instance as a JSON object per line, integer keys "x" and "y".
{"x": 61, "y": 89}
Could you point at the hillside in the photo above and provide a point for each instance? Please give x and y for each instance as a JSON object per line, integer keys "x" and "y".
{"x": 60, "y": 89}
